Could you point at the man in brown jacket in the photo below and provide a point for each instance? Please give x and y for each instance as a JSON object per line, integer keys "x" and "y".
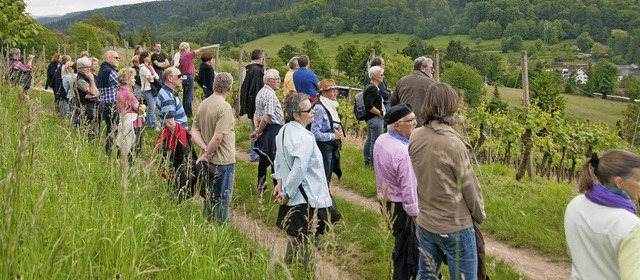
{"x": 412, "y": 89}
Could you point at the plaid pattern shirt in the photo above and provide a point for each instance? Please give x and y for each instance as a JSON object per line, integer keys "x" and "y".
{"x": 267, "y": 103}
{"x": 109, "y": 94}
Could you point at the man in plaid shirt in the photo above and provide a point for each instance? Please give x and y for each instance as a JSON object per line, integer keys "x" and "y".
{"x": 108, "y": 86}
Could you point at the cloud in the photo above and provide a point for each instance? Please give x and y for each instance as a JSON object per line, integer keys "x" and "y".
{"x": 61, "y": 7}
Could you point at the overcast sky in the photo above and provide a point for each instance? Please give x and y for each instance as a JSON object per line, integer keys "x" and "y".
{"x": 61, "y": 7}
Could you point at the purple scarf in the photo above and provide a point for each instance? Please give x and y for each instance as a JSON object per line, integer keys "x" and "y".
{"x": 601, "y": 195}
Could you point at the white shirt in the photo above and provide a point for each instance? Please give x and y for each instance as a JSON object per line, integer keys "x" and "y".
{"x": 594, "y": 233}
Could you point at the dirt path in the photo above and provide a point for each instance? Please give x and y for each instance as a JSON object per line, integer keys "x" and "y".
{"x": 529, "y": 262}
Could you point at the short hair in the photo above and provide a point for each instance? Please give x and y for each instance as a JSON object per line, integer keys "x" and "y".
{"x": 303, "y": 60}
{"x": 55, "y": 57}
{"x": 144, "y": 55}
{"x": 157, "y": 43}
{"x": 125, "y": 74}
{"x": 135, "y": 59}
{"x": 292, "y": 104}
{"x": 441, "y": 103}
{"x": 206, "y": 57}
{"x": 183, "y": 45}
{"x": 376, "y": 61}
{"x": 270, "y": 74}
{"x": 14, "y": 51}
{"x": 375, "y": 70}
{"x": 223, "y": 82}
{"x": 83, "y": 62}
{"x": 422, "y": 62}
{"x": 293, "y": 62}
{"x": 84, "y": 53}
{"x": 168, "y": 72}
{"x": 65, "y": 58}
{"x": 257, "y": 53}
{"x": 106, "y": 54}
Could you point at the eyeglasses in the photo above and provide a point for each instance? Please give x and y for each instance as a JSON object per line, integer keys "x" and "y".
{"x": 307, "y": 111}
{"x": 409, "y": 121}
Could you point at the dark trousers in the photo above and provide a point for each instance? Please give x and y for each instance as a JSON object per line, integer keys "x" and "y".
{"x": 110, "y": 116}
{"x": 262, "y": 171}
{"x": 405, "y": 250}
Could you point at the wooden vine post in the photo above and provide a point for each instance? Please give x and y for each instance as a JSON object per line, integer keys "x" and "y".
{"x": 436, "y": 67}
{"x": 527, "y": 155}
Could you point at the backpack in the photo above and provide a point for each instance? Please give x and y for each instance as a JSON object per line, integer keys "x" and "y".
{"x": 358, "y": 106}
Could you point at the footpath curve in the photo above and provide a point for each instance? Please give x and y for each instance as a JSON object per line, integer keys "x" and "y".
{"x": 529, "y": 262}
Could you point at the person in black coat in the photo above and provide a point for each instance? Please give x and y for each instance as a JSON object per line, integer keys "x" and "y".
{"x": 55, "y": 63}
{"x": 206, "y": 75}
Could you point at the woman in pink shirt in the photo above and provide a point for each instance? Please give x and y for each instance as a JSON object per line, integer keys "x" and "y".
{"x": 131, "y": 113}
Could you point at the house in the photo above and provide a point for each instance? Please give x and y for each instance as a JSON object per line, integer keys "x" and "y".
{"x": 579, "y": 72}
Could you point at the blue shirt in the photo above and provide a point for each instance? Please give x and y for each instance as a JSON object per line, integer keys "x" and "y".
{"x": 321, "y": 128}
{"x": 298, "y": 163}
{"x": 305, "y": 81}
{"x": 170, "y": 107}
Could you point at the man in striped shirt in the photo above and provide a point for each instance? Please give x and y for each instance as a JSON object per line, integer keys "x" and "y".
{"x": 168, "y": 103}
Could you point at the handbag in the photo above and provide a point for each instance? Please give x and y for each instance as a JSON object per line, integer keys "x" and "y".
{"x": 155, "y": 86}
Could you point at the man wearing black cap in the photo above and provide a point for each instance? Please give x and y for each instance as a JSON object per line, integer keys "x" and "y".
{"x": 397, "y": 187}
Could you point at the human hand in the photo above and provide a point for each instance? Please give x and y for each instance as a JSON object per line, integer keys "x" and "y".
{"x": 256, "y": 135}
{"x": 338, "y": 134}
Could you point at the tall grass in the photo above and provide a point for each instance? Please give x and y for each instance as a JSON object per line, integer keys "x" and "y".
{"x": 71, "y": 212}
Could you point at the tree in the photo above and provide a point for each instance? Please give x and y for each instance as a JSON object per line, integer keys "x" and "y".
{"x": 456, "y": 52}
{"x": 17, "y": 28}
{"x": 345, "y": 58}
{"x": 513, "y": 43}
{"x": 497, "y": 105}
{"x": 603, "y": 78}
{"x": 82, "y": 32}
{"x": 488, "y": 30}
{"x": 146, "y": 38}
{"x": 632, "y": 87}
{"x": 546, "y": 92}
{"x": 585, "y": 42}
{"x": 318, "y": 60}
{"x": 466, "y": 80}
{"x": 416, "y": 48}
{"x": 286, "y": 53}
{"x": 333, "y": 26}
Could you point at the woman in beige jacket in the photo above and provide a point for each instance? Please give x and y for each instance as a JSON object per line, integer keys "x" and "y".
{"x": 449, "y": 195}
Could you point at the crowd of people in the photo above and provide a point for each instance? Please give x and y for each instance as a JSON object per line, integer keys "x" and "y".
{"x": 425, "y": 181}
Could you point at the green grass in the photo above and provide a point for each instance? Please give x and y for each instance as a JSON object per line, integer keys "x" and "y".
{"x": 362, "y": 241}
{"x": 69, "y": 211}
{"x": 577, "y": 106}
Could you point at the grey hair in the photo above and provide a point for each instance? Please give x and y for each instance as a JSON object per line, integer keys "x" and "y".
{"x": 375, "y": 70}
{"x": 65, "y": 59}
{"x": 422, "y": 62}
{"x": 293, "y": 103}
{"x": 184, "y": 45}
{"x": 106, "y": 54}
{"x": 223, "y": 82}
{"x": 293, "y": 62}
{"x": 168, "y": 72}
{"x": 14, "y": 51}
{"x": 83, "y": 62}
{"x": 270, "y": 74}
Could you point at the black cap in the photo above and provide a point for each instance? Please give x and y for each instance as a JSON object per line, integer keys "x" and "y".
{"x": 397, "y": 112}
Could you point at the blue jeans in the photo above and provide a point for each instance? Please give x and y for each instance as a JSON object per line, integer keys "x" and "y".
{"x": 459, "y": 247}
{"x": 218, "y": 196}
{"x": 187, "y": 94}
{"x": 374, "y": 129}
{"x": 253, "y": 156}
{"x": 151, "y": 109}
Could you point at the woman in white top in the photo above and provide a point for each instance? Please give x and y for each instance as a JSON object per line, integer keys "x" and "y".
{"x": 597, "y": 221}
{"x": 147, "y": 75}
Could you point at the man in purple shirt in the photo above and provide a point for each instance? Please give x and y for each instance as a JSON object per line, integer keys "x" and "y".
{"x": 397, "y": 187}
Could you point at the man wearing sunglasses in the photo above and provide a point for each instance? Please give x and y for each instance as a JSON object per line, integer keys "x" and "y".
{"x": 108, "y": 86}
{"x": 168, "y": 103}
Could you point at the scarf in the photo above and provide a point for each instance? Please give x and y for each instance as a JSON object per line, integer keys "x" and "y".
{"x": 331, "y": 106}
{"x": 612, "y": 197}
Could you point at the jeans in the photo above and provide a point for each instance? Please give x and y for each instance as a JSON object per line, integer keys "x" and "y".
{"x": 218, "y": 193}
{"x": 459, "y": 247}
{"x": 63, "y": 107}
{"x": 187, "y": 94}
{"x": 111, "y": 118}
{"x": 253, "y": 156}
{"x": 151, "y": 109}
{"x": 374, "y": 130}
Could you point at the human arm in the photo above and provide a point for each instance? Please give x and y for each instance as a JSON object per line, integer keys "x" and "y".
{"x": 321, "y": 127}
{"x": 207, "y": 47}
{"x": 212, "y": 147}
{"x": 469, "y": 185}
{"x": 407, "y": 178}
{"x": 262, "y": 124}
{"x": 298, "y": 151}
{"x": 369, "y": 96}
{"x": 628, "y": 255}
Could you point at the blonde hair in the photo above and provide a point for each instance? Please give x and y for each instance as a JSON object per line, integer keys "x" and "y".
{"x": 68, "y": 68}
{"x": 125, "y": 74}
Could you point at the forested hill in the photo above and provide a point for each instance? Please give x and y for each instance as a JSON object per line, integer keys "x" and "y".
{"x": 238, "y": 21}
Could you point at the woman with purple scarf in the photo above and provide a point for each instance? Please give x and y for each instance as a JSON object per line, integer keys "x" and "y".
{"x": 598, "y": 221}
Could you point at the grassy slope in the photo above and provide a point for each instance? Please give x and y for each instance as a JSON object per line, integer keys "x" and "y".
{"x": 579, "y": 107}
{"x": 69, "y": 211}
